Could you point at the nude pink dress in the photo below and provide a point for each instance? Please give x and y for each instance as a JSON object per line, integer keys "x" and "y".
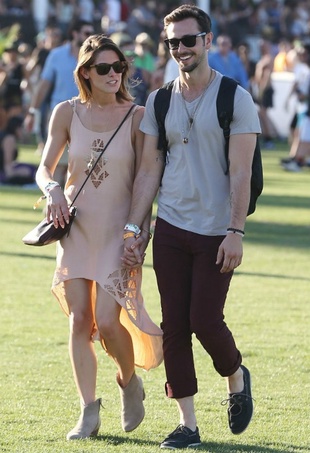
{"x": 95, "y": 244}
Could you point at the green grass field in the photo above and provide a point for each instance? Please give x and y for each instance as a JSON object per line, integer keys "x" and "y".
{"x": 268, "y": 310}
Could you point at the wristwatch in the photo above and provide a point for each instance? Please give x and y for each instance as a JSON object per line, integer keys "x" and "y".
{"x": 133, "y": 228}
{"x": 32, "y": 110}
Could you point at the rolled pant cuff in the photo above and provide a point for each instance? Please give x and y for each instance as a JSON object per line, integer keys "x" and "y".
{"x": 180, "y": 393}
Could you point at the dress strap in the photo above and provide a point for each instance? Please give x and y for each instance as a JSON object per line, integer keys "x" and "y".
{"x": 72, "y": 102}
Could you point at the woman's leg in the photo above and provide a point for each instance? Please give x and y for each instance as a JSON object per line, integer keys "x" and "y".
{"x": 81, "y": 347}
{"x": 116, "y": 338}
{"x": 118, "y": 343}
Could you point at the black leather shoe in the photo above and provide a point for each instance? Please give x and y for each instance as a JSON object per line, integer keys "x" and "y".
{"x": 240, "y": 405}
{"x": 181, "y": 437}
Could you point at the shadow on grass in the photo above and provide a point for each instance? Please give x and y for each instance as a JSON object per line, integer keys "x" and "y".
{"x": 278, "y": 276}
{"x": 19, "y": 208}
{"x": 29, "y": 255}
{"x": 284, "y": 201}
{"x": 279, "y": 234}
{"x": 214, "y": 447}
{"x": 23, "y": 222}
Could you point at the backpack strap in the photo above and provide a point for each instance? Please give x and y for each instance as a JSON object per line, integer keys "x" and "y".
{"x": 161, "y": 107}
{"x": 225, "y": 109}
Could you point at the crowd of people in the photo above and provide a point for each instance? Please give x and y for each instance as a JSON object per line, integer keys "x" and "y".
{"x": 280, "y": 29}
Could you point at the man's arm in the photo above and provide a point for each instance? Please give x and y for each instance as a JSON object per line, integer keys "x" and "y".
{"x": 145, "y": 188}
{"x": 36, "y": 101}
{"x": 241, "y": 151}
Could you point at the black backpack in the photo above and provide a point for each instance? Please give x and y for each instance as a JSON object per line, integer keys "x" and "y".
{"x": 225, "y": 109}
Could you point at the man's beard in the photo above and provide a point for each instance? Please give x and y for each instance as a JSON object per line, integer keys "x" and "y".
{"x": 189, "y": 68}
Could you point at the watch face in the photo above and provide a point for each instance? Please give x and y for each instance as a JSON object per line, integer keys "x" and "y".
{"x": 131, "y": 227}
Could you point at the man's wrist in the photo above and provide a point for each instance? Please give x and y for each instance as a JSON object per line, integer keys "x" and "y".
{"x": 132, "y": 228}
{"x": 33, "y": 110}
{"x": 237, "y": 231}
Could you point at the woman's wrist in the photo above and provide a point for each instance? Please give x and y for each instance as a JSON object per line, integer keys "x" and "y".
{"x": 50, "y": 186}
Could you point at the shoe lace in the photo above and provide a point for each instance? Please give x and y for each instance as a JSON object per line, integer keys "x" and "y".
{"x": 179, "y": 429}
{"x": 235, "y": 402}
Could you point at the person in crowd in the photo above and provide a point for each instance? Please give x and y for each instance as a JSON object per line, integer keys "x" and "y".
{"x": 200, "y": 221}
{"x": 140, "y": 78}
{"x": 12, "y": 74}
{"x": 300, "y": 149}
{"x": 65, "y": 13}
{"x": 227, "y": 62}
{"x": 301, "y": 70}
{"x": 264, "y": 93}
{"x": 46, "y": 41}
{"x": 239, "y": 21}
{"x": 57, "y": 80}
{"x": 11, "y": 170}
{"x": 243, "y": 52}
{"x": 142, "y": 18}
{"x": 102, "y": 299}
{"x": 144, "y": 47}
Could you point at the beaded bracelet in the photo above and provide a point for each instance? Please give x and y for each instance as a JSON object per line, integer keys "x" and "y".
{"x": 148, "y": 232}
{"x": 130, "y": 234}
{"x": 235, "y": 231}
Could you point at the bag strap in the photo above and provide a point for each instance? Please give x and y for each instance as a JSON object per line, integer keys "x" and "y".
{"x": 225, "y": 109}
{"x": 100, "y": 155}
{"x": 161, "y": 106}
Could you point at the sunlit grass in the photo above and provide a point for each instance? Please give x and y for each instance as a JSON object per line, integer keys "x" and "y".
{"x": 268, "y": 311}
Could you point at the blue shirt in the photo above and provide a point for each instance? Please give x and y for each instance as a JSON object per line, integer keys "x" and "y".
{"x": 230, "y": 66}
{"x": 58, "y": 69}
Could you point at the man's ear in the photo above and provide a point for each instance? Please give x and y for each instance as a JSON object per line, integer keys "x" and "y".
{"x": 208, "y": 40}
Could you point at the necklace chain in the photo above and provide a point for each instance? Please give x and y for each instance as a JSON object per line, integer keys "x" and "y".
{"x": 192, "y": 117}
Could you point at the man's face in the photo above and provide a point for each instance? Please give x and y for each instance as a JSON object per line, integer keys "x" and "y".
{"x": 224, "y": 45}
{"x": 85, "y": 32}
{"x": 188, "y": 56}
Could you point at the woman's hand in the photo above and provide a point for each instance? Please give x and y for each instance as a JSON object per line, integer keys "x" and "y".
{"x": 134, "y": 251}
{"x": 57, "y": 207}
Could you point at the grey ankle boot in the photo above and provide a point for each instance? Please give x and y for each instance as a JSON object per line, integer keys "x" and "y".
{"x": 89, "y": 422}
{"x": 132, "y": 397}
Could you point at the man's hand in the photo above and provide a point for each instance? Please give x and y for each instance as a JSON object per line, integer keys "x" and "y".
{"x": 29, "y": 122}
{"x": 134, "y": 252}
{"x": 230, "y": 253}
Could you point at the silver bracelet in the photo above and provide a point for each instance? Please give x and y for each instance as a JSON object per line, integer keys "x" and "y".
{"x": 51, "y": 186}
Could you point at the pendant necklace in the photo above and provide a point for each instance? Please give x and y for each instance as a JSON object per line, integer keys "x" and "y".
{"x": 192, "y": 117}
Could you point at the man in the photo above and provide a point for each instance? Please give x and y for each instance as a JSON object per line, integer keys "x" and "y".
{"x": 227, "y": 62}
{"x": 200, "y": 223}
{"x": 57, "y": 78}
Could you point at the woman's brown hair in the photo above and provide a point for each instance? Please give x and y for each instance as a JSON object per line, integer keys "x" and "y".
{"x": 90, "y": 48}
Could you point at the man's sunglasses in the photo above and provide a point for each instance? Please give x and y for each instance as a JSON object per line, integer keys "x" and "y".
{"x": 187, "y": 41}
{"x": 104, "y": 68}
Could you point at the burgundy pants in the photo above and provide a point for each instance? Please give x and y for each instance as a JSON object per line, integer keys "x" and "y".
{"x": 193, "y": 294}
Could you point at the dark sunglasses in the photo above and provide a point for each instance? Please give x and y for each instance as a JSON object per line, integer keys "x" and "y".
{"x": 187, "y": 41}
{"x": 104, "y": 68}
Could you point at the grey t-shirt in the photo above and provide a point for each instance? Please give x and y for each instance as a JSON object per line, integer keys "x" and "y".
{"x": 194, "y": 194}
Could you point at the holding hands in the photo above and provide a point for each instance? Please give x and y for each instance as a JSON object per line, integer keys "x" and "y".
{"x": 135, "y": 244}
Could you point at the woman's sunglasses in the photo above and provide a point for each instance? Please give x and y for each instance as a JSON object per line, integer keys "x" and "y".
{"x": 104, "y": 68}
{"x": 187, "y": 41}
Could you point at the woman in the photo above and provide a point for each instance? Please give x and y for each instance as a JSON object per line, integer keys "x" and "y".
{"x": 12, "y": 171}
{"x": 102, "y": 299}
